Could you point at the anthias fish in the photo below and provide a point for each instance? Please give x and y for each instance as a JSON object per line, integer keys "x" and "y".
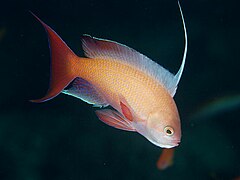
{"x": 112, "y": 74}
{"x": 166, "y": 159}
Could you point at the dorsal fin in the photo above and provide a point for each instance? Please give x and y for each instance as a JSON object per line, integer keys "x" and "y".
{"x": 106, "y": 49}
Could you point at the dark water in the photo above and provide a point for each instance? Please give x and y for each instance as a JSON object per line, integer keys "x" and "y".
{"x": 63, "y": 139}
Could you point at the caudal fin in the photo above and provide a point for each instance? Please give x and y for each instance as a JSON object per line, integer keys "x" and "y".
{"x": 61, "y": 64}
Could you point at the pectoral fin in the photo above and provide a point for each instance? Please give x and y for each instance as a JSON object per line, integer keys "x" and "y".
{"x": 126, "y": 108}
{"x": 126, "y": 111}
{"x": 114, "y": 119}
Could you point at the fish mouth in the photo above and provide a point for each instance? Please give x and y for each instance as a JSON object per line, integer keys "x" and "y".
{"x": 172, "y": 144}
{"x": 175, "y": 141}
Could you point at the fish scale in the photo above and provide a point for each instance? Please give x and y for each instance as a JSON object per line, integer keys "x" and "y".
{"x": 131, "y": 84}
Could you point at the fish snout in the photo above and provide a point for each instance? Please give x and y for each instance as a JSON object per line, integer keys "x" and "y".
{"x": 175, "y": 142}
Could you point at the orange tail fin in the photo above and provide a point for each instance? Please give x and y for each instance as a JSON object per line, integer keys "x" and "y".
{"x": 61, "y": 64}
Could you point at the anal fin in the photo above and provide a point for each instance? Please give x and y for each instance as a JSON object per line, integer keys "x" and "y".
{"x": 85, "y": 91}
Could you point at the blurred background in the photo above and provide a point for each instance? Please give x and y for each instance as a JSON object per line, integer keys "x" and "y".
{"x": 63, "y": 139}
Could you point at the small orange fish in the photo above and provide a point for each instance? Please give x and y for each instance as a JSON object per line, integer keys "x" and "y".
{"x": 140, "y": 91}
{"x": 166, "y": 159}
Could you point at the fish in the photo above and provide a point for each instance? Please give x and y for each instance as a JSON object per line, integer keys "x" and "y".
{"x": 216, "y": 107}
{"x": 139, "y": 91}
{"x": 166, "y": 159}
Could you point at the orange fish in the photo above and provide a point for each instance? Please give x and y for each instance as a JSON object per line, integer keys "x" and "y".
{"x": 139, "y": 90}
{"x": 166, "y": 159}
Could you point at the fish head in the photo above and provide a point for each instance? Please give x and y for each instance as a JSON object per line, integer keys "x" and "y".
{"x": 164, "y": 129}
{"x": 161, "y": 128}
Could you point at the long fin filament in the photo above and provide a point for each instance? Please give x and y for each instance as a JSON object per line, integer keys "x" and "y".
{"x": 177, "y": 77}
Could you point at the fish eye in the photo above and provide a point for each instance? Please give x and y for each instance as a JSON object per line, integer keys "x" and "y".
{"x": 169, "y": 131}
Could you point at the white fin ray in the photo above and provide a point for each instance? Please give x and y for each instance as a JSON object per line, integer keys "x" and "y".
{"x": 178, "y": 76}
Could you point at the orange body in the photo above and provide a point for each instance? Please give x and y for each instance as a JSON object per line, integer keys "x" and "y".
{"x": 114, "y": 79}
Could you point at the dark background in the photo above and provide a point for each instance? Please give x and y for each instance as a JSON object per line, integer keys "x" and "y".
{"x": 63, "y": 139}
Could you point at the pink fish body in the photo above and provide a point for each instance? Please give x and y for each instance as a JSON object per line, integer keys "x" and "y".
{"x": 140, "y": 91}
